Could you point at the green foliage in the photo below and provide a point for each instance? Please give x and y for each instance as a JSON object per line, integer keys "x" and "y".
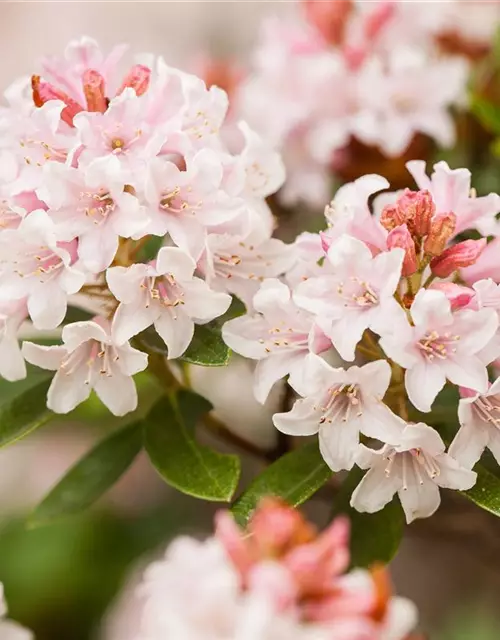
{"x": 24, "y": 413}
{"x": 486, "y": 492}
{"x": 295, "y": 477}
{"x": 487, "y": 113}
{"x": 150, "y": 248}
{"x": 76, "y": 314}
{"x": 169, "y": 439}
{"x": 91, "y": 476}
{"x": 375, "y": 537}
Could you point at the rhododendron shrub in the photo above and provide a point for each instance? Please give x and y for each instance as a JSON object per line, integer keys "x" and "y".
{"x": 134, "y": 240}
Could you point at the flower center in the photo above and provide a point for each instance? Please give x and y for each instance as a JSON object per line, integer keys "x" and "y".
{"x": 164, "y": 290}
{"x": 434, "y": 345}
{"x": 117, "y": 144}
{"x": 342, "y": 402}
{"x": 488, "y": 409}
{"x": 96, "y": 356}
{"x": 283, "y": 336}
{"x": 414, "y": 463}
{"x": 175, "y": 201}
{"x": 357, "y": 293}
{"x": 99, "y": 205}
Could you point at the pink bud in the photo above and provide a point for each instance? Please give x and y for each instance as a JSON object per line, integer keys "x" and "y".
{"x": 326, "y": 240}
{"x": 378, "y": 19}
{"x": 442, "y": 229}
{"x": 137, "y": 78}
{"x": 400, "y": 237}
{"x": 463, "y": 254}
{"x": 459, "y": 296}
{"x": 329, "y": 17}
{"x": 44, "y": 92}
{"x": 392, "y": 217}
{"x": 418, "y": 209}
{"x": 93, "y": 88}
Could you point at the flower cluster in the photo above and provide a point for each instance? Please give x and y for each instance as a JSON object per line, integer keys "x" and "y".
{"x": 94, "y": 166}
{"x": 396, "y": 293}
{"x": 281, "y": 580}
{"x": 376, "y": 72}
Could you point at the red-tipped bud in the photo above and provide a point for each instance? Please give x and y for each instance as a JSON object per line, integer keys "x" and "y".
{"x": 463, "y": 254}
{"x": 93, "y": 88}
{"x": 44, "y": 92}
{"x": 392, "y": 217}
{"x": 326, "y": 240}
{"x": 418, "y": 209}
{"x": 442, "y": 229}
{"x": 378, "y": 19}
{"x": 459, "y": 296}
{"x": 329, "y": 17}
{"x": 137, "y": 78}
{"x": 400, "y": 237}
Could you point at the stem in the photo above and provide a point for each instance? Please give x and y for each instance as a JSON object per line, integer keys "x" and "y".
{"x": 429, "y": 280}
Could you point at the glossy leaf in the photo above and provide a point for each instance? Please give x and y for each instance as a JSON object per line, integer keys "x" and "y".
{"x": 169, "y": 439}
{"x": 91, "y": 476}
{"x": 375, "y": 537}
{"x": 24, "y": 413}
{"x": 207, "y": 347}
{"x": 486, "y": 492}
{"x": 295, "y": 477}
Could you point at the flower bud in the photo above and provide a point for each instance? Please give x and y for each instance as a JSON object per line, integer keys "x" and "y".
{"x": 326, "y": 240}
{"x": 463, "y": 254}
{"x": 93, "y": 88}
{"x": 44, "y": 91}
{"x": 400, "y": 237}
{"x": 392, "y": 217}
{"x": 441, "y": 230}
{"x": 418, "y": 208}
{"x": 459, "y": 296}
{"x": 329, "y": 17}
{"x": 137, "y": 78}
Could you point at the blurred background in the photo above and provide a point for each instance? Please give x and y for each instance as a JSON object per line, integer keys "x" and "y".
{"x": 74, "y": 580}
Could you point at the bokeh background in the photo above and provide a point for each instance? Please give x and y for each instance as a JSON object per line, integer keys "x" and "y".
{"x": 74, "y": 580}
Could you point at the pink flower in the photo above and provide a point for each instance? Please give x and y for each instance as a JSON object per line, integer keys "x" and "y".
{"x": 164, "y": 294}
{"x": 357, "y": 296}
{"x": 479, "y": 416}
{"x": 415, "y": 468}
{"x": 12, "y": 315}
{"x": 310, "y": 250}
{"x": 457, "y": 256}
{"x": 451, "y": 191}
{"x": 401, "y": 237}
{"x": 38, "y": 266}
{"x": 184, "y": 203}
{"x": 89, "y": 359}
{"x": 339, "y": 404}
{"x": 93, "y": 205}
{"x": 486, "y": 266}
{"x": 278, "y": 334}
{"x": 440, "y": 345}
{"x": 460, "y": 297}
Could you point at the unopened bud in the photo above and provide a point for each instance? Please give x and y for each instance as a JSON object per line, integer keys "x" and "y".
{"x": 326, "y": 240}
{"x": 459, "y": 296}
{"x": 400, "y": 237}
{"x": 463, "y": 254}
{"x": 93, "y": 88}
{"x": 329, "y": 17}
{"x": 442, "y": 229}
{"x": 137, "y": 78}
{"x": 392, "y": 217}
{"x": 44, "y": 92}
{"x": 418, "y": 209}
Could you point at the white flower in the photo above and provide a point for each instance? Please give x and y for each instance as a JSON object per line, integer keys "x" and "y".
{"x": 415, "y": 468}
{"x": 339, "y": 404}
{"x": 166, "y": 295}
{"x": 12, "y": 315}
{"x": 89, "y": 359}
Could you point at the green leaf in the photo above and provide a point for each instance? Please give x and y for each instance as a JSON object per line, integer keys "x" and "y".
{"x": 486, "y": 492}
{"x": 487, "y": 113}
{"x": 295, "y": 477}
{"x": 24, "y": 413}
{"x": 76, "y": 314}
{"x": 150, "y": 249}
{"x": 91, "y": 476}
{"x": 375, "y": 537}
{"x": 207, "y": 347}
{"x": 180, "y": 460}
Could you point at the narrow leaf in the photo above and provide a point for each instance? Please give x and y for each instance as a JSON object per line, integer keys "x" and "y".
{"x": 24, "y": 413}
{"x": 487, "y": 113}
{"x": 375, "y": 537}
{"x": 295, "y": 477}
{"x": 486, "y": 492}
{"x": 91, "y": 476}
{"x": 182, "y": 462}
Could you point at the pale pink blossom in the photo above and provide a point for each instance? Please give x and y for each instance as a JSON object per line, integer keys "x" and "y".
{"x": 89, "y": 359}
{"x": 338, "y": 404}
{"x": 93, "y": 205}
{"x": 310, "y": 258}
{"x": 479, "y": 416}
{"x": 358, "y": 295}
{"x": 452, "y": 193}
{"x": 12, "y": 315}
{"x": 278, "y": 334}
{"x": 165, "y": 294}
{"x": 416, "y": 467}
{"x": 440, "y": 345}
{"x": 486, "y": 266}
{"x": 10, "y": 630}
{"x": 40, "y": 267}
